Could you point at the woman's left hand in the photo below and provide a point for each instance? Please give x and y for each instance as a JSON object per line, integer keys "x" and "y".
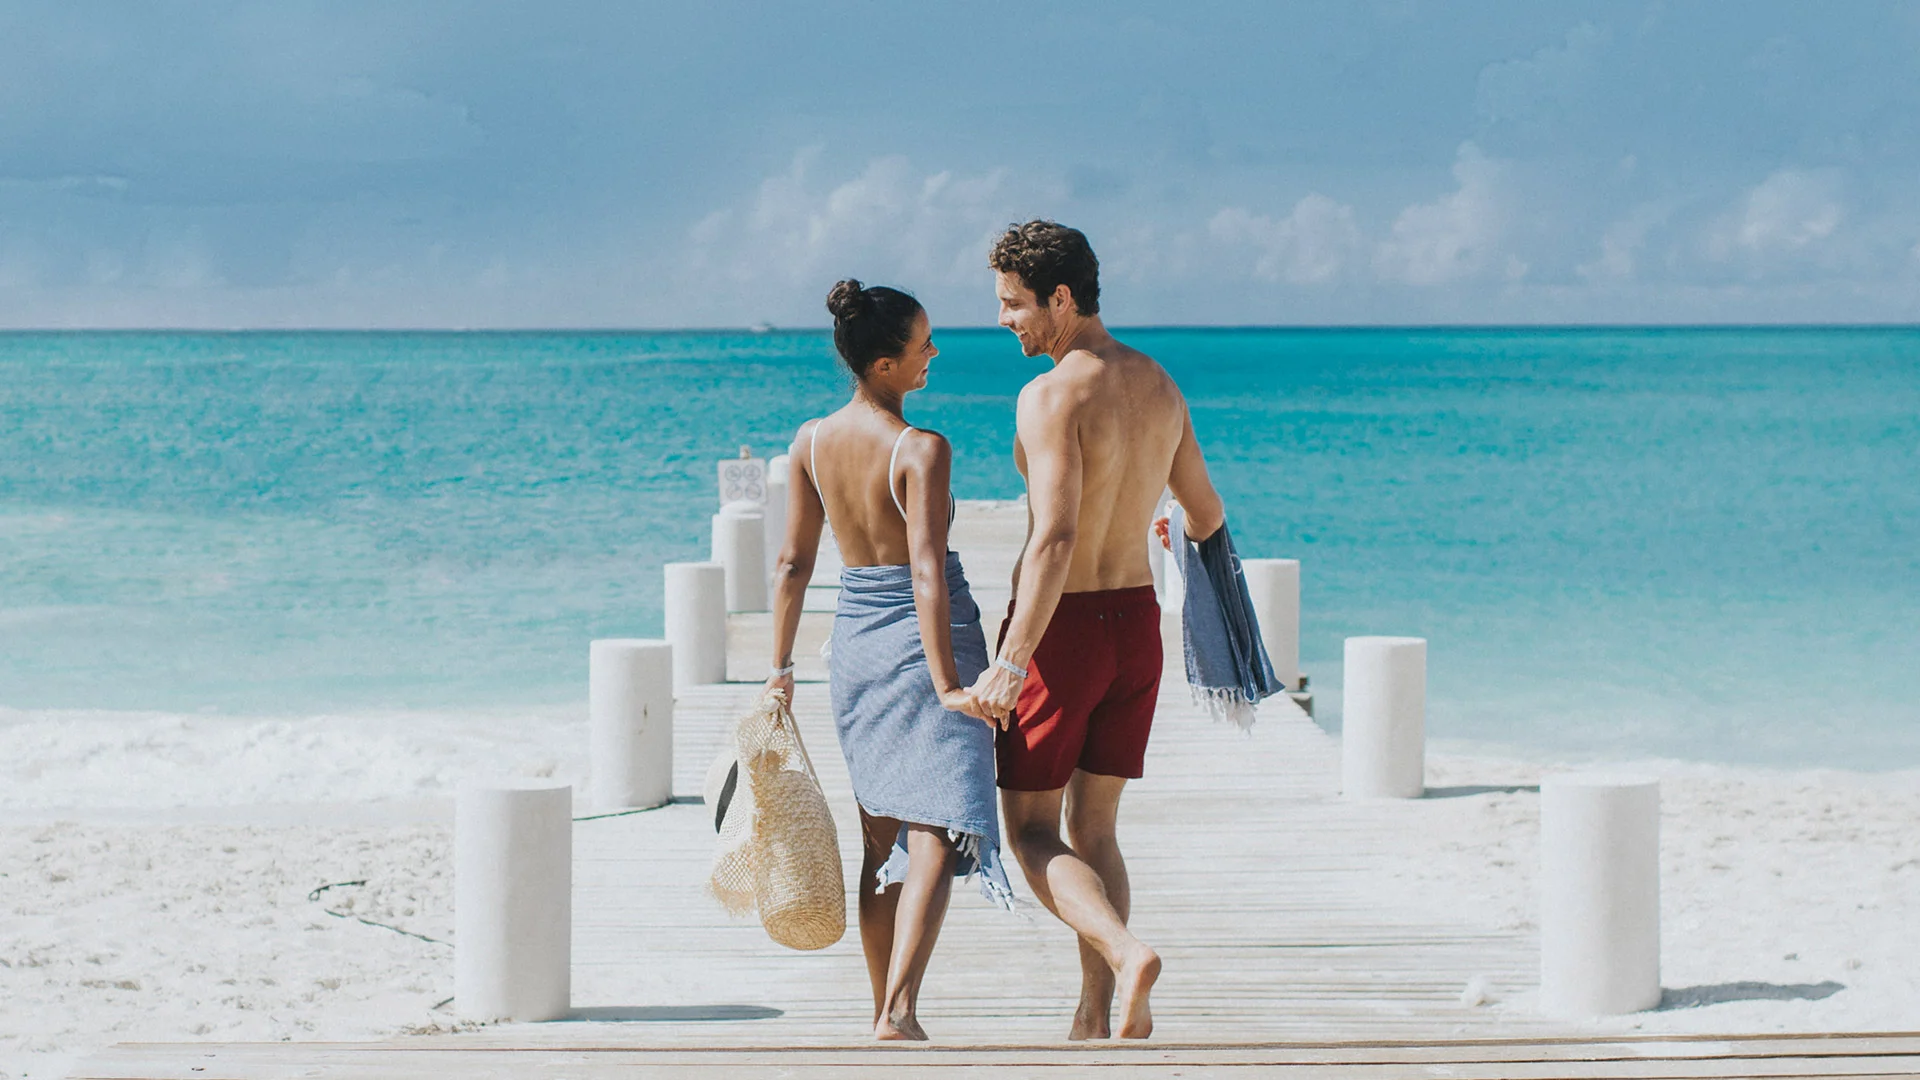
{"x": 962, "y": 701}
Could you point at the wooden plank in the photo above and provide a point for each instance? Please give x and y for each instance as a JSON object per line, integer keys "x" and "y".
{"x": 337, "y": 1062}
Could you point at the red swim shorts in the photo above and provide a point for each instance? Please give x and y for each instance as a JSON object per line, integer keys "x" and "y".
{"x": 1090, "y": 691}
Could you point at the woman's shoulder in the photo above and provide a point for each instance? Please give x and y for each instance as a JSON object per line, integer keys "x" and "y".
{"x": 924, "y": 443}
{"x": 809, "y": 428}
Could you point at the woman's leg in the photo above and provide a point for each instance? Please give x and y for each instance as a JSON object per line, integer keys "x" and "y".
{"x": 922, "y": 908}
{"x": 877, "y": 908}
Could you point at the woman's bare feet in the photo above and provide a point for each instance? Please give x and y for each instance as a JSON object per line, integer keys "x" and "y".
{"x": 1134, "y": 982}
{"x": 899, "y": 1029}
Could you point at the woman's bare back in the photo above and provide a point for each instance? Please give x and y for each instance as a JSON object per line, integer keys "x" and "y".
{"x": 855, "y": 462}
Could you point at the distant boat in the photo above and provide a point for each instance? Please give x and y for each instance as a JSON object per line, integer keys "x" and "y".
{"x": 761, "y": 328}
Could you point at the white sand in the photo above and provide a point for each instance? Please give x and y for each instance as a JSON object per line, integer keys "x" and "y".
{"x": 129, "y": 932}
{"x": 1791, "y": 900}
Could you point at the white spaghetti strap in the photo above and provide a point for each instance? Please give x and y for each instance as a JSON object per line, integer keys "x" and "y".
{"x": 893, "y": 459}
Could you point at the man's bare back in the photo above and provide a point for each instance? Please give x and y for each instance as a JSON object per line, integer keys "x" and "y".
{"x": 1128, "y": 420}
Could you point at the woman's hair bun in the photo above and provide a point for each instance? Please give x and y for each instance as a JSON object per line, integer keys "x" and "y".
{"x": 848, "y": 299}
{"x": 870, "y": 323}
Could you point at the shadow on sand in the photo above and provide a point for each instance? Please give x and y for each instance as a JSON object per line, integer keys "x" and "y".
{"x": 1693, "y": 997}
{"x": 637, "y": 1014}
{"x": 1480, "y": 789}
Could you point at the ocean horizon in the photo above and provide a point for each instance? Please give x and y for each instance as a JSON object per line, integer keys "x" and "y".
{"x": 1679, "y": 541}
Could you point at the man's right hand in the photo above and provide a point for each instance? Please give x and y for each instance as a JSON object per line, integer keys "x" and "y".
{"x": 998, "y": 691}
{"x": 962, "y": 701}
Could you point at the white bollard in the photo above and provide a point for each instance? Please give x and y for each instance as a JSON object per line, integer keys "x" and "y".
{"x": 1173, "y": 585}
{"x": 696, "y": 603}
{"x": 740, "y": 546}
{"x": 1157, "y": 562}
{"x": 1599, "y": 894}
{"x": 1274, "y": 585}
{"x": 776, "y": 510}
{"x": 630, "y": 722}
{"x": 513, "y": 900}
{"x": 1383, "y": 736}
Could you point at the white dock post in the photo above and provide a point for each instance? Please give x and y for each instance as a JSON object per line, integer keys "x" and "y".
{"x": 776, "y": 509}
{"x": 513, "y": 900}
{"x": 1157, "y": 562}
{"x": 1383, "y": 737}
{"x": 1599, "y": 894}
{"x": 630, "y": 722}
{"x": 740, "y": 546}
{"x": 696, "y": 603}
{"x": 1168, "y": 584}
{"x": 1275, "y": 587}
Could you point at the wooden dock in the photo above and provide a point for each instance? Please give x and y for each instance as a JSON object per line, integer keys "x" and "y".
{"x": 1290, "y": 943}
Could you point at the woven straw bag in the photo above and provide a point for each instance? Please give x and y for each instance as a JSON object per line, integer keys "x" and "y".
{"x": 779, "y": 852}
{"x": 729, "y": 797}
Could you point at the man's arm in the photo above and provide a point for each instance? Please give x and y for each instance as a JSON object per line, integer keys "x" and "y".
{"x": 1193, "y": 488}
{"x": 1051, "y": 440}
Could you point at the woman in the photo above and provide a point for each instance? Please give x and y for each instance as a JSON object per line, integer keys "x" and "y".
{"x": 906, "y": 640}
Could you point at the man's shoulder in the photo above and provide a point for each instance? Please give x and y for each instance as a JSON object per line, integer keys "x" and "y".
{"x": 1124, "y": 365}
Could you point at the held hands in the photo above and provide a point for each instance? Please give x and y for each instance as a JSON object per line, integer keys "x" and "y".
{"x": 963, "y": 701}
{"x": 996, "y": 691}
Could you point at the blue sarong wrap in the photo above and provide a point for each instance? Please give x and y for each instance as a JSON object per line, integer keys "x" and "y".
{"x": 1227, "y": 665}
{"x": 908, "y": 756}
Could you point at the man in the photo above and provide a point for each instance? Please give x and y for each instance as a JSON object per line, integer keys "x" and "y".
{"x": 1078, "y": 669}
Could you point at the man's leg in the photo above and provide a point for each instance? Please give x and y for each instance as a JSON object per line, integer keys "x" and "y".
{"x": 1074, "y": 891}
{"x": 1092, "y": 804}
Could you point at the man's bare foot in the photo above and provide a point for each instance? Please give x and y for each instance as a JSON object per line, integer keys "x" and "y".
{"x": 1134, "y": 982}
{"x": 1090, "y": 1023}
{"x": 899, "y": 1029}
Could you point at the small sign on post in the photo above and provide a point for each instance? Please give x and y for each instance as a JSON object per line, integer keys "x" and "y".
{"x": 743, "y": 479}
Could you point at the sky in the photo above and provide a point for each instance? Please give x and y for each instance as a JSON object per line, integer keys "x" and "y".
{"x": 630, "y": 164}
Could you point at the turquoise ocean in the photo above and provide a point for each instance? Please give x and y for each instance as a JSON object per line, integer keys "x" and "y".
{"x": 1700, "y": 544}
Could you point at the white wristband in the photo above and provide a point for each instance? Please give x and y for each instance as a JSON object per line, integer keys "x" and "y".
{"x": 1005, "y": 664}
{"x": 780, "y": 671}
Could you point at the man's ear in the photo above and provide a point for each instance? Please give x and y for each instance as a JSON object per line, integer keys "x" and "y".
{"x": 1062, "y": 298}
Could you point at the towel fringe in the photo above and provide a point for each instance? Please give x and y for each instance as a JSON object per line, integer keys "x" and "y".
{"x": 1226, "y": 704}
{"x": 967, "y": 848}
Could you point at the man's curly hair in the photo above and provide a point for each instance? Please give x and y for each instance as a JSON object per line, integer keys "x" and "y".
{"x": 1044, "y": 254}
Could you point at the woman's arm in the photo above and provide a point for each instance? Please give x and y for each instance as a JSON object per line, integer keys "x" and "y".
{"x": 928, "y": 470}
{"x": 794, "y": 569}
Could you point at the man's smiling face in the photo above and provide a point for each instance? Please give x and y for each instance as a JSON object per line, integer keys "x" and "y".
{"x": 1022, "y": 313}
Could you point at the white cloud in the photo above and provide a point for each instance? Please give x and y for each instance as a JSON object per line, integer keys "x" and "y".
{"x": 891, "y": 223}
{"x": 1622, "y": 243}
{"x": 1456, "y": 236}
{"x": 1788, "y": 212}
{"x": 1532, "y": 96}
{"x": 1315, "y": 243}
